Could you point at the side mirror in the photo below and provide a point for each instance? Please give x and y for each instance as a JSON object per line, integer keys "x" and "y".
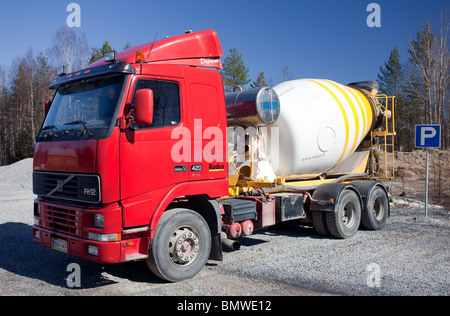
{"x": 47, "y": 106}
{"x": 143, "y": 107}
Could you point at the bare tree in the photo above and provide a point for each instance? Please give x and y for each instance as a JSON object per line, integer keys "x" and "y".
{"x": 441, "y": 73}
{"x": 22, "y": 106}
{"x": 420, "y": 74}
{"x": 428, "y": 72}
{"x": 1, "y": 94}
{"x": 286, "y": 73}
{"x": 2, "y": 105}
{"x": 69, "y": 49}
{"x": 28, "y": 63}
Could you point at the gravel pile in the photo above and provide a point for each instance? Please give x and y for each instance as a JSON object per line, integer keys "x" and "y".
{"x": 16, "y": 192}
{"x": 410, "y": 256}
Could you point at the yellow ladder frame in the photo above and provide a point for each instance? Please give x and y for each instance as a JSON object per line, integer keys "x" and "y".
{"x": 386, "y": 134}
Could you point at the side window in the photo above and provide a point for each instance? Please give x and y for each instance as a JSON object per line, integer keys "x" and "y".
{"x": 166, "y": 103}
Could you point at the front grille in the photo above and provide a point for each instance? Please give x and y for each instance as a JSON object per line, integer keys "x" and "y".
{"x": 66, "y": 186}
{"x": 67, "y": 220}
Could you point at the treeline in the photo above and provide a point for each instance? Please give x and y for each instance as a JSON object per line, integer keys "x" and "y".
{"x": 24, "y": 89}
{"x": 421, "y": 84}
{"x": 22, "y": 105}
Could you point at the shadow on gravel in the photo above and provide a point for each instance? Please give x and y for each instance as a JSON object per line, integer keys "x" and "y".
{"x": 20, "y": 255}
{"x": 292, "y": 229}
{"x": 288, "y": 229}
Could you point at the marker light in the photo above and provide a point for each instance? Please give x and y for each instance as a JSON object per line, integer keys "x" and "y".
{"x": 139, "y": 57}
{"x": 99, "y": 221}
{"x": 111, "y": 56}
{"x": 62, "y": 70}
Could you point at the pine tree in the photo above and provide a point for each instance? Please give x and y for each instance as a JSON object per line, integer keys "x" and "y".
{"x": 391, "y": 79}
{"x": 99, "y": 53}
{"x": 127, "y": 45}
{"x": 260, "y": 82}
{"x": 234, "y": 71}
{"x": 391, "y": 74}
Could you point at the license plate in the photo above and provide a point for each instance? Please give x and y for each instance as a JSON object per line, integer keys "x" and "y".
{"x": 59, "y": 244}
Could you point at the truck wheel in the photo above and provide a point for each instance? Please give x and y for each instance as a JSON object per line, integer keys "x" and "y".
{"x": 344, "y": 222}
{"x": 319, "y": 222}
{"x": 375, "y": 215}
{"x": 181, "y": 246}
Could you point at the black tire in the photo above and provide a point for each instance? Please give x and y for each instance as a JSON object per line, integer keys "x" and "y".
{"x": 374, "y": 216}
{"x": 344, "y": 222}
{"x": 181, "y": 245}
{"x": 319, "y": 220}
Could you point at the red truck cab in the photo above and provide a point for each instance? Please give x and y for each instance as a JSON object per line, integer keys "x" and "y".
{"x": 135, "y": 136}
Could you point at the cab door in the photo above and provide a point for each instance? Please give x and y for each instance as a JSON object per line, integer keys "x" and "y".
{"x": 207, "y": 121}
{"x": 146, "y": 164}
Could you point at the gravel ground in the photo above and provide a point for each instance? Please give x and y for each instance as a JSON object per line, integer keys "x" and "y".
{"x": 410, "y": 256}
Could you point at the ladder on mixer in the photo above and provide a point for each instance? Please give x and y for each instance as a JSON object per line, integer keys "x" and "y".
{"x": 382, "y": 142}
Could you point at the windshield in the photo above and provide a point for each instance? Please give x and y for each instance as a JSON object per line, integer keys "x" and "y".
{"x": 82, "y": 110}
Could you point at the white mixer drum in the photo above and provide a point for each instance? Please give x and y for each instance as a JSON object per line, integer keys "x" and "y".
{"x": 321, "y": 123}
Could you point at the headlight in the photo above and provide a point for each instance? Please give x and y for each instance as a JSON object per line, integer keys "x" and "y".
{"x": 104, "y": 237}
{"x": 93, "y": 250}
{"x": 99, "y": 221}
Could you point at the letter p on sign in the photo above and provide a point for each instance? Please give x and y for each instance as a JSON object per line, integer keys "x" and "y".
{"x": 428, "y": 136}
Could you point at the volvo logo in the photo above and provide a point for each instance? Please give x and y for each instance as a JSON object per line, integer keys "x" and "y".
{"x": 60, "y": 185}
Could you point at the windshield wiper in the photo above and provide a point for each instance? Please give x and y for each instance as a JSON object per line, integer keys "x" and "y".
{"x": 84, "y": 125}
{"x": 51, "y": 127}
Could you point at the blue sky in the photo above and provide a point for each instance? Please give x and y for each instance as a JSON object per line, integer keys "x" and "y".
{"x": 315, "y": 39}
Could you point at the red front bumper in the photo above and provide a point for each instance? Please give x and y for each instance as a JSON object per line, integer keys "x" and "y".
{"x": 66, "y": 228}
{"x": 107, "y": 252}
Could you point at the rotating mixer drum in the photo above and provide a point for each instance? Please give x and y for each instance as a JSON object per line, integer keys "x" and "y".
{"x": 320, "y": 124}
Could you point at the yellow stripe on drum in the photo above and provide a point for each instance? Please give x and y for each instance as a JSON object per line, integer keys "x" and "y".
{"x": 365, "y": 114}
{"x": 355, "y": 113}
{"x": 344, "y": 114}
{"x": 367, "y": 106}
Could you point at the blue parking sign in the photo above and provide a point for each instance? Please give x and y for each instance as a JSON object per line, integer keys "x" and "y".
{"x": 428, "y": 136}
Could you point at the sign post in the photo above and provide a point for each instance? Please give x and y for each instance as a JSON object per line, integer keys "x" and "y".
{"x": 428, "y": 136}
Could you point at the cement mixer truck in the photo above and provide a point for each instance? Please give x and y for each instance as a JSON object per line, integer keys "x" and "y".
{"x": 143, "y": 156}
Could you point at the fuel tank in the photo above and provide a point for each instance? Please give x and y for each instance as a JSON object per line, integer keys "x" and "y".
{"x": 320, "y": 124}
